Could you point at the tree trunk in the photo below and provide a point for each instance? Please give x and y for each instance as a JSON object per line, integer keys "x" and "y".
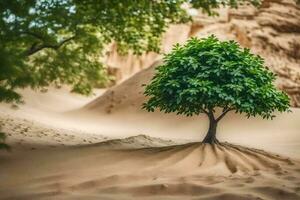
{"x": 211, "y": 134}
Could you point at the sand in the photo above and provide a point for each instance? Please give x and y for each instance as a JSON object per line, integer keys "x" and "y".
{"x": 122, "y": 105}
{"x": 66, "y": 146}
{"x": 191, "y": 171}
{"x": 69, "y": 152}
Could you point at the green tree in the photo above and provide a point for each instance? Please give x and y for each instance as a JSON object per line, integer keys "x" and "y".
{"x": 208, "y": 74}
{"x": 46, "y": 42}
{"x": 56, "y": 42}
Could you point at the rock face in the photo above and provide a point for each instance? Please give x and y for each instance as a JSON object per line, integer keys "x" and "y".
{"x": 272, "y": 31}
{"x": 122, "y": 67}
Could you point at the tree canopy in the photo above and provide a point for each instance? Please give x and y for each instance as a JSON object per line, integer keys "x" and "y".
{"x": 205, "y": 74}
{"x": 59, "y": 42}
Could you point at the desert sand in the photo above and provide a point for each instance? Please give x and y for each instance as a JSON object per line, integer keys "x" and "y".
{"x": 72, "y": 151}
{"x": 66, "y": 146}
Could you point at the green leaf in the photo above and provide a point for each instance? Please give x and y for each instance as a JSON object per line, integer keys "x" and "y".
{"x": 240, "y": 82}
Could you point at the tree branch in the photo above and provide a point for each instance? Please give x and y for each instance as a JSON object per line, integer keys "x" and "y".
{"x": 203, "y": 110}
{"x": 224, "y": 113}
{"x": 35, "y": 48}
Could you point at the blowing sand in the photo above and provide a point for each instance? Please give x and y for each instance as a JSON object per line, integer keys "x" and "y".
{"x": 129, "y": 154}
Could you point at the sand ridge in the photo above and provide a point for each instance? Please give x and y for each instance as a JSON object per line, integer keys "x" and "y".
{"x": 135, "y": 166}
{"x": 66, "y": 146}
{"x": 138, "y": 167}
{"x": 28, "y": 134}
{"x": 188, "y": 171}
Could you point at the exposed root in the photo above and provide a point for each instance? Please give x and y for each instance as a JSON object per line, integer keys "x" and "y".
{"x": 224, "y": 156}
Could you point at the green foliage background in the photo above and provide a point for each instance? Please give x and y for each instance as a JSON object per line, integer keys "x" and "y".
{"x": 57, "y": 42}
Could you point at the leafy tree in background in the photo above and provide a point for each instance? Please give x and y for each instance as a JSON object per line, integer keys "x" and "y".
{"x": 59, "y": 42}
{"x": 207, "y": 74}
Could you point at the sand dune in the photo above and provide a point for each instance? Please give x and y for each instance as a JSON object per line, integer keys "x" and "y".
{"x": 66, "y": 146}
{"x": 90, "y": 153}
{"x": 122, "y": 104}
{"x": 189, "y": 171}
{"x": 143, "y": 167}
{"x": 28, "y": 134}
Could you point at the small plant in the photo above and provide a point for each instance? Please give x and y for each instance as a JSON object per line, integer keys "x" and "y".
{"x": 206, "y": 74}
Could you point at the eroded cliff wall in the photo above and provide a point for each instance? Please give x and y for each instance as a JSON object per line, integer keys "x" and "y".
{"x": 271, "y": 31}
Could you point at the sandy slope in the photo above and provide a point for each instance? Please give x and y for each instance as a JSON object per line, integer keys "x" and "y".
{"x": 73, "y": 155}
{"x": 122, "y": 104}
{"x": 191, "y": 171}
{"x": 64, "y": 150}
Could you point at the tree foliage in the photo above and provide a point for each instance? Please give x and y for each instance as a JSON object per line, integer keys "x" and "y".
{"x": 59, "y": 42}
{"x": 205, "y": 74}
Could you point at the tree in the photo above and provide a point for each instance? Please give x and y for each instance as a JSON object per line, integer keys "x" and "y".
{"x": 46, "y": 42}
{"x": 56, "y": 42}
{"x": 208, "y": 74}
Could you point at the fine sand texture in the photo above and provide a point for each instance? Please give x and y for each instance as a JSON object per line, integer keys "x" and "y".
{"x": 71, "y": 151}
{"x": 189, "y": 171}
